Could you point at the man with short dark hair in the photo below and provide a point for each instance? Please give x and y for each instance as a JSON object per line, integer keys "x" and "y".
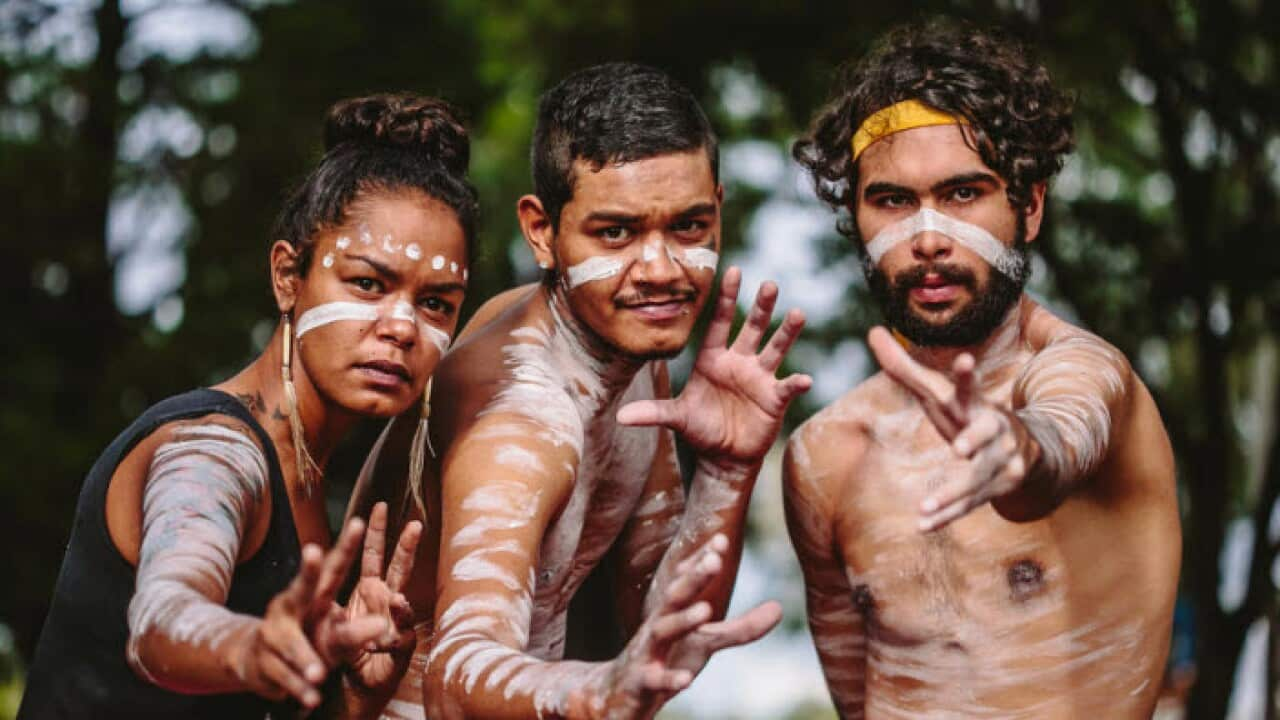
{"x": 553, "y": 424}
{"x": 989, "y": 527}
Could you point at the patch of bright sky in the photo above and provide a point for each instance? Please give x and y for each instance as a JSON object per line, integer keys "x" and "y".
{"x": 145, "y": 230}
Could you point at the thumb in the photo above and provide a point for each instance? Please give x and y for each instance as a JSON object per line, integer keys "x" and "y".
{"x": 645, "y": 413}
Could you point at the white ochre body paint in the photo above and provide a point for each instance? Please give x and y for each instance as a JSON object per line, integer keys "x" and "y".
{"x": 701, "y": 258}
{"x": 321, "y": 315}
{"x": 594, "y": 268}
{"x": 1004, "y": 259}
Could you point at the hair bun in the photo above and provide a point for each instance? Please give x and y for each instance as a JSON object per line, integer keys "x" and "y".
{"x": 414, "y": 123}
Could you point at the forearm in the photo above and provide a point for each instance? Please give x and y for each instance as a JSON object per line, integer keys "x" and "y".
{"x": 473, "y": 676}
{"x": 1072, "y": 395}
{"x": 189, "y": 644}
{"x": 717, "y": 504}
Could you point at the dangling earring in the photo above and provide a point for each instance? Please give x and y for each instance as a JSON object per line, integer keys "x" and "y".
{"x": 417, "y": 453}
{"x": 305, "y": 465}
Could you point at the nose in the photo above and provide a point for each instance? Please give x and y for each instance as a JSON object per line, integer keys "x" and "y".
{"x": 399, "y": 325}
{"x": 930, "y": 245}
{"x": 656, "y": 266}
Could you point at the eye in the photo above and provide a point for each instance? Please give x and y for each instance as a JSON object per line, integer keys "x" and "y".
{"x": 966, "y": 193}
{"x": 436, "y": 304}
{"x": 367, "y": 284}
{"x": 614, "y": 233}
{"x": 894, "y": 201}
{"x": 688, "y": 227}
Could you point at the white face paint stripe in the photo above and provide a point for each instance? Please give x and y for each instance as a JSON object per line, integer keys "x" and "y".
{"x": 592, "y": 269}
{"x": 650, "y": 251}
{"x": 404, "y": 311}
{"x": 1004, "y": 259}
{"x": 438, "y": 337}
{"x": 701, "y": 258}
{"x": 333, "y": 312}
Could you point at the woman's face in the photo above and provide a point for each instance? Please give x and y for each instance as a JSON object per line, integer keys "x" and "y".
{"x": 379, "y": 303}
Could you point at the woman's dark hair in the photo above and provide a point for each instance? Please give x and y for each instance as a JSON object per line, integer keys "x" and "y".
{"x": 612, "y": 113}
{"x": 1022, "y": 125}
{"x": 382, "y": 142}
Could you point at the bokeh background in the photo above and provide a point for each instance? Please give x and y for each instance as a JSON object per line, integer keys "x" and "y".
{"x": 145, "y": 147}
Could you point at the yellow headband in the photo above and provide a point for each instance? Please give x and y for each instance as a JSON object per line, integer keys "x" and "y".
{"x": 897, "y": 117}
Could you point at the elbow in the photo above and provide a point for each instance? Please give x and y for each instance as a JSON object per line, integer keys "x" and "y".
{"x": 142, "y": 658}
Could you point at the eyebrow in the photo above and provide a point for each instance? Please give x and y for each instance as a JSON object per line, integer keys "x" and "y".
{"x": 884, "y": 188}
{"x": 382, "y": 269}
{"x": 696, "y": 210}
{"x": 445, "y": 287}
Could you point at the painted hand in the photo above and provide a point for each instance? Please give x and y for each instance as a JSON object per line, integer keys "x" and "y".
{"x": 731, "y": 409}
{"x": 377, "y": 667}
{"x": 303, "y": 631}
{"x": 675, "y": 642}
{"x": 995, "y": 441}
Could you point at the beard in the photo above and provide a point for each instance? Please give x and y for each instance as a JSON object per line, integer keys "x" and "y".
{"x": 974, "y": 322}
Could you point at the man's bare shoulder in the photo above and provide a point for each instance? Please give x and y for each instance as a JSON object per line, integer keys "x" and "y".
{"x": 832, "y": 443}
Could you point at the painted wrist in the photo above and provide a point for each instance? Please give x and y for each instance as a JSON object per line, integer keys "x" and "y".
{"x": 729, "y": 470}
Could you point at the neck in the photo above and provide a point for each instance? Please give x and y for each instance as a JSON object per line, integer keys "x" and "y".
{"x": 577, "y": 345}
{"x": 323, "y": 425}
{"x": 994, "y": 355}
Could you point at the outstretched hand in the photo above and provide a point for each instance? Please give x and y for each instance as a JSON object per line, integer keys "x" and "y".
{"x": 304, "y": 633}
{"x": 377, "y": 667}
{"x": 994, "y": 440}
{"x": 675, "y": 642}
{"x": 731, "y": 409}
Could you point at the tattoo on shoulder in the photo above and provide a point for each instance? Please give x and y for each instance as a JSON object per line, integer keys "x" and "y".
{"x": 253, "y": 402}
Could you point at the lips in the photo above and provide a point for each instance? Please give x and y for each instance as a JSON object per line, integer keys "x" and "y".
{"x": 385, "y": 372}
{"x": 658, "y": 308}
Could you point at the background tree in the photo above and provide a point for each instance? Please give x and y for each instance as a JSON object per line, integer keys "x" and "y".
{"x": 145, "y": 145}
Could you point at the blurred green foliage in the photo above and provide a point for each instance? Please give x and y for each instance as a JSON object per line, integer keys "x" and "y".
{"x": 1161, "y": 235}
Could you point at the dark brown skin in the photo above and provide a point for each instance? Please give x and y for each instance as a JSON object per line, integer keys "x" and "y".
{"x": 965, "y": 549}
{"x": 562, "y": 496}
{"x": 304, "y": 631}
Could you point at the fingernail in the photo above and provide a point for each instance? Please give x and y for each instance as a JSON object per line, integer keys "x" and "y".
{"x": 315, "y": 672}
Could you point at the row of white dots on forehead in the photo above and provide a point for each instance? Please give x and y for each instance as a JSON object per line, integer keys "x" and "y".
{"x": 388, "y": 245}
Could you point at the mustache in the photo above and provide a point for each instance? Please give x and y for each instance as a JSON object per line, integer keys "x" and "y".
{"x": 640, "y": 297}
{"x": 951, "y": 274}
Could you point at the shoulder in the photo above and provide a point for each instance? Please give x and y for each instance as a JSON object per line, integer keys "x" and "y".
{"x": 219, "y": 443}
{"x": 1054, "y": 341}
{"x": 828, "y": 448}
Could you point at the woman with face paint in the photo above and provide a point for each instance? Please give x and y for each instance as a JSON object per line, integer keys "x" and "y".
{"x": 196, "y": 583}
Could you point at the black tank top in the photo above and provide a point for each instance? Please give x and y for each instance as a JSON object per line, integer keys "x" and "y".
{"x": 79, "y": 669}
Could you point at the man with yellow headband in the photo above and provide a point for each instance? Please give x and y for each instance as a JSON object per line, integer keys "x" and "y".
{"x": 988, "y": 527}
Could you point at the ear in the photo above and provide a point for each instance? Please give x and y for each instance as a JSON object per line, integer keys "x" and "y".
{"x": 286, "y": 275}
{"x": 1034, "y": 211}
{"x": 538, "y": 231}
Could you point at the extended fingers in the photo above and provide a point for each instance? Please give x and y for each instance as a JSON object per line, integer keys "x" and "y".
{"x": 783, "y": 338}
{"x": 672, "y": 626}
{"x": 297, "y": 597}
{"x": 401, "y": 566}
{"x": 964, "y": 375}
{"x": 278, "y": 672}
{"x": 747, "y": 627}
{"x": 927, "y": 385}
{"x": 996, "y": 470}
{"x": 758, "y": 318}
{"x": 726, "y": 305}
{"x": 337, "y": 562}
{"x": 652, "y": 412}
{"x": 375, "y": 542}
{"x": 983, "y": 428}
{"x": 692, "y": 578}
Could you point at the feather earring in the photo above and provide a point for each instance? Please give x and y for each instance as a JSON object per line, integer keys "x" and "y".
{"x": 418, "y": 452}
{"x": 306, "y": 466}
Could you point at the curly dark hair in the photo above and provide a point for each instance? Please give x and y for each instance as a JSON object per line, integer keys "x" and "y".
{"x": 1021, "y": 124}
{"x": 388, "y": 141}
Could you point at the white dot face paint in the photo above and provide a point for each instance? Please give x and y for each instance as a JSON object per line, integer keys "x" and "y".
{"x": 701, "y": 259}
{"x": 344, "y": 242}
{"x": 1004, "y": 260}
{"x": 388, "y": 244}
{"x": 453, "y": 268}
{"x": 412, "y": 251}
{"x": 437, "y": 262}
{"x": 366, "y": 237}
{"x": 593, "y": 269}
{"x": 328, "y": 260}
{"x": 465, "y": 274}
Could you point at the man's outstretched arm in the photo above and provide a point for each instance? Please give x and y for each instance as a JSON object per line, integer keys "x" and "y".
{"x": 503, "y": 486}
{"x": 730, "y": 412}
{"x": 1066, "y": 405}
